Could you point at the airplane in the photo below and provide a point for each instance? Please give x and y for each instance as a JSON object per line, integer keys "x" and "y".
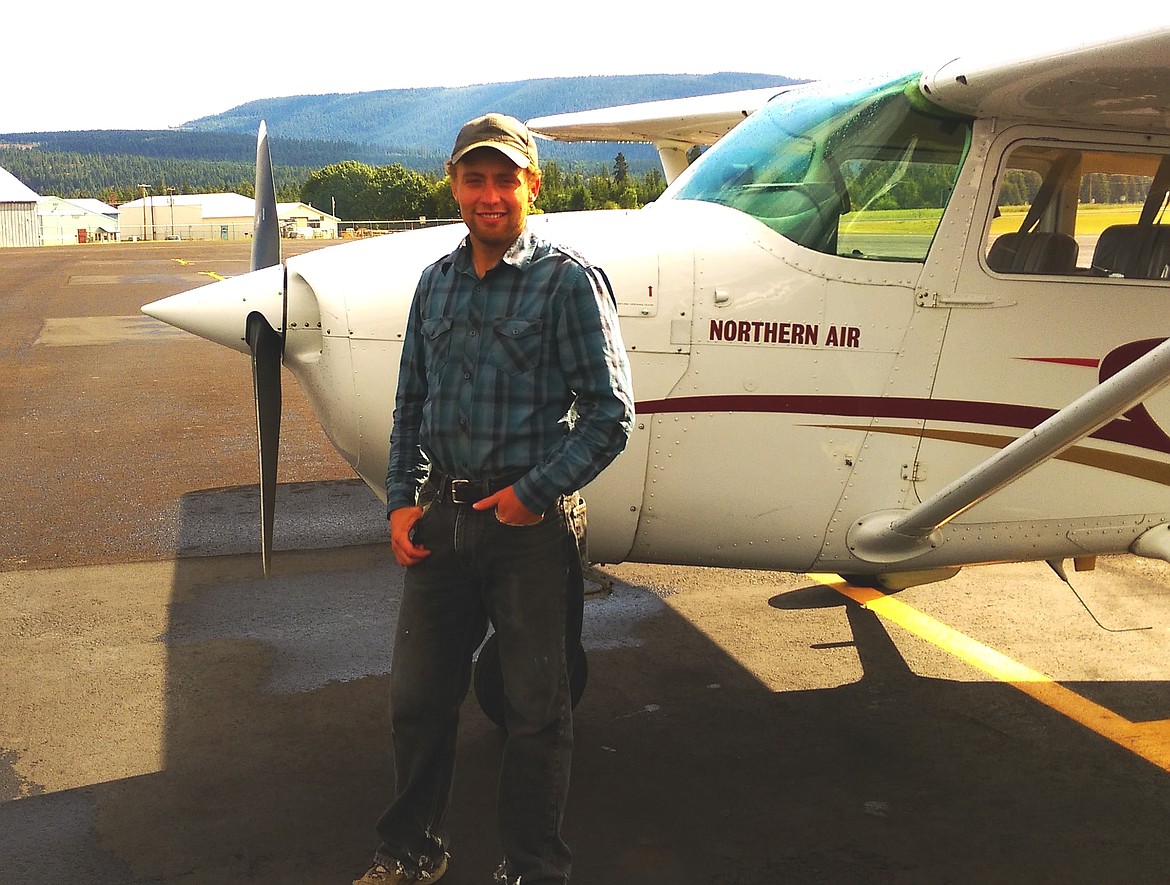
{"x": 884, "y": 328}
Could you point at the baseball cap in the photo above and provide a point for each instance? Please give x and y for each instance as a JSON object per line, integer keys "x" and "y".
{"x": 506, "y": 134}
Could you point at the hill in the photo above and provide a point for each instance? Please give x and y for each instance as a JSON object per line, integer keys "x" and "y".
{"x": 425, "y": 121}
{"x": 413, "y": 127}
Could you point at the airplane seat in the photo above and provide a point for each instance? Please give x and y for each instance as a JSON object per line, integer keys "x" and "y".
{"x": 1133, "y": 251}
{"x": 1044, "y": 252}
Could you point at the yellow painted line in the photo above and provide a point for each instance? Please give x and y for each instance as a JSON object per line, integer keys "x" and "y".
{"x": 212, "y": 274}
{"x": 1150, "y": 740}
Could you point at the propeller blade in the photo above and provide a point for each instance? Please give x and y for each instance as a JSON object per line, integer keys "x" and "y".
{"x": 266, "y": 345}
{"x": 266, "y": 230}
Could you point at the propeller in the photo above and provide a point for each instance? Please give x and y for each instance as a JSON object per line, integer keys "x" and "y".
{"x": 266, "y": 345}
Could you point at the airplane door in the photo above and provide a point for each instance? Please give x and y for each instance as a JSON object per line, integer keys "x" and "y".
{"x": 1058, "y": 288}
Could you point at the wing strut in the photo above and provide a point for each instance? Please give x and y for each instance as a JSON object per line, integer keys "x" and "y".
{"x": 890, "y": 536}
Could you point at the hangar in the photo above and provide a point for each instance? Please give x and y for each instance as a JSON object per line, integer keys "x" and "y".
{"x": 61, "y": 222}
{"x": 300, "y": 220}
{"x": 187, "y": 217}
{"x": 214, "y": 217}
{"x": 18, "y": 212}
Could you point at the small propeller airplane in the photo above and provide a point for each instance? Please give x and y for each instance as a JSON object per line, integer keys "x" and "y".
{"x": 883, "y": 328}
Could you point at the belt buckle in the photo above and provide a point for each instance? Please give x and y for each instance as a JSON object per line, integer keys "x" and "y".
{"x": 457, "y": 488}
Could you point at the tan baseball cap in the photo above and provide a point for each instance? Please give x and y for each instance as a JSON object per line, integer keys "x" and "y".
{"x": 506, "y": 134}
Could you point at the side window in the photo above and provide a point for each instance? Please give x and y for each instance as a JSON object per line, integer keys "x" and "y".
{"x": 896, "y": 207}
{"x": 1077, "y": 212}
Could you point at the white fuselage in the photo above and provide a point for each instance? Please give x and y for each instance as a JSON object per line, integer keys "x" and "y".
{"x": 781, "y": 393}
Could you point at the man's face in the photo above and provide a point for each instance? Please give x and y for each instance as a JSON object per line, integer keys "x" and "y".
{"x": 494, "y": 196}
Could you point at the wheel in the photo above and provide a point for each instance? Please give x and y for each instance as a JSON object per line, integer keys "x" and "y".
{"x": 489, "y": 680}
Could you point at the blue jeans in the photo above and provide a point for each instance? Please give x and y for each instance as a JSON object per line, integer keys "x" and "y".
{"x": 522, "y": 579}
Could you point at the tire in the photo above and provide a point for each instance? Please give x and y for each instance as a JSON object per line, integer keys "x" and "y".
{"x": 488, "y": 679}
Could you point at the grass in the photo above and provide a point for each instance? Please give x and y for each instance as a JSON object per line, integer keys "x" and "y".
{"x": 1091, "y": 220}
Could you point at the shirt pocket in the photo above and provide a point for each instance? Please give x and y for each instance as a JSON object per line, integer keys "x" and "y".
{"x": 436, "y": 343}
{"x": 516, "y": 344}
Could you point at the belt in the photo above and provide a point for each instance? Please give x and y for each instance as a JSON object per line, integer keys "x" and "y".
{"x": 468, "y": 491}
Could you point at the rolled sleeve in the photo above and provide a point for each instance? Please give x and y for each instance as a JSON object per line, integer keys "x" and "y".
{"x": 593, "y": 357}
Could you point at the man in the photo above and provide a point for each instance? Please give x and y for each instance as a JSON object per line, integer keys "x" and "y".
{"x": 513, "y": 392}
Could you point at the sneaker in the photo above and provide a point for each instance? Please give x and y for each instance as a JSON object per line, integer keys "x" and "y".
{"x": 380, "y": 874}
{"x": 501, "y": 876}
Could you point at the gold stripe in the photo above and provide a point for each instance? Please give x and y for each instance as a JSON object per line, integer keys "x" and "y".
{"x": 1150, "y": 740}
{"x": 1112, "y": 462}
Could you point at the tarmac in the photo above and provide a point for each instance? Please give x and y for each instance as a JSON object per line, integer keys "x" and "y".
{"x": 167, "y": 715}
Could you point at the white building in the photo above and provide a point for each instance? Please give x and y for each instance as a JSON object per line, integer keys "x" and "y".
{"x": 187, "y": 217}
{"x": 300, "y": 220}
{"x": 214, "y": 217}
{"x": 18, "y": 212}
{"x": 60, "y": 222}
{"x": 97, "y": 206}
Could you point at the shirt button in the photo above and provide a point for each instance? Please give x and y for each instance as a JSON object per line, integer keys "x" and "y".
{"x": 472, "y": 333}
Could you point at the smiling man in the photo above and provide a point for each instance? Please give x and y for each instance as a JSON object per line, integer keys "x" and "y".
{"x": 513, "y": 393}
{"x": 494, "y": 187}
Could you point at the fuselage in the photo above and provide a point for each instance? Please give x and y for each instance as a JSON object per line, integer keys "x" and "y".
{"x": 819, "y": 329}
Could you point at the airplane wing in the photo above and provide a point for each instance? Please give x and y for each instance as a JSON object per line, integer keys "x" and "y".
{"x": 1121, "y": 82}
{"x": 673, "y": 126}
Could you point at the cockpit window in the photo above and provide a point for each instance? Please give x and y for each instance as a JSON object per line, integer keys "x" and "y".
{"x": 1067, "y": 210}
{"x": 864, "y": 173}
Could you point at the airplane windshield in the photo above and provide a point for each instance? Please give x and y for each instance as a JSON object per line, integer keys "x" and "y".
{"x": 864, "y": 173}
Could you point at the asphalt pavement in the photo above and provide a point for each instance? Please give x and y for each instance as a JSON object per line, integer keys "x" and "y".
{"x": 167, "y": 715}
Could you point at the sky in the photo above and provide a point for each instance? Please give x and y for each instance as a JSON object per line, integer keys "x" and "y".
{"x": 136, "y": 64}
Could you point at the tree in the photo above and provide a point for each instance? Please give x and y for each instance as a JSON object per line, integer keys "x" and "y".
{"x": 343, "y": 189}
{"x": 621, "y": 169}
{"x": 441, "y": 202}
{"x": 650, "y": 187}
{"x": 580, "y": 199}
{"x": 400, "y": 193}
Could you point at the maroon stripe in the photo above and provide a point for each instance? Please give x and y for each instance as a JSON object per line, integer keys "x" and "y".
{"x": 1063, "y": 360}
{"x": 1121, "y": 430}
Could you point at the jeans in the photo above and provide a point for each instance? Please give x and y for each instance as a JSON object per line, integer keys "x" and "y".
{"x": 524, "y": 579}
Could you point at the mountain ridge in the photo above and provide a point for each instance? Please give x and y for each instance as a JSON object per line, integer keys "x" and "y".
{"x": 426, "y": 119}
{"x": 411, "y": 127}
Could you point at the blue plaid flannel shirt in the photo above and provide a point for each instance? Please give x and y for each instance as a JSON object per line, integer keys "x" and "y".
{"x": 523, "y": 369}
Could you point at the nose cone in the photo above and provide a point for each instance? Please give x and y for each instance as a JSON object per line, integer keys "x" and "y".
{"x": 219, "y": 312}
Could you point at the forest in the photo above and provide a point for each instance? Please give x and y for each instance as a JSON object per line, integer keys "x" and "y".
{"x": 116, "y": 179}
{"x": 384, "y": 191}
{"x": 1020, "y": 188}
{"x": 113, "y": 165}
{"x": 351, "y": 190}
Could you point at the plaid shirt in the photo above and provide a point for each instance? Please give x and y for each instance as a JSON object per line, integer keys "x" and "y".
{"x": 523, "y": 369}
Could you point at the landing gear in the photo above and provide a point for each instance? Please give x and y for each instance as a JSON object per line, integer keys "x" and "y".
{"x": 489, "y": 681}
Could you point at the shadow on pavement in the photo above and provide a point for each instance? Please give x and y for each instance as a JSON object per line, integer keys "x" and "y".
{"x": 688, "y": 770}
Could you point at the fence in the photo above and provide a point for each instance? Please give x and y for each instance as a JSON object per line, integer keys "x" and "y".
{"x": 359, "y": 229}
{"x": 243, "y": 230}
{"x": 209, "y": 231}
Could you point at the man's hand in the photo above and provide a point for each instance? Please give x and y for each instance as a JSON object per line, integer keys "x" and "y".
{"x": 405, "y": 550}
{"x": 509, "y": 509}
